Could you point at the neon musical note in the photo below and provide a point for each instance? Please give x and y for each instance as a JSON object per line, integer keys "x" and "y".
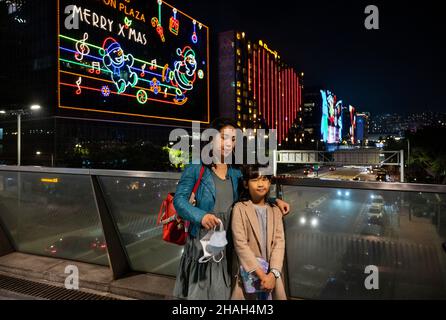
{"x": 78, "y": 84}
{"x": 153, "y": 64}
{"x": 82, "y": 48}
{"x": 95, "y": 65}
{"x": 143, "y": 68}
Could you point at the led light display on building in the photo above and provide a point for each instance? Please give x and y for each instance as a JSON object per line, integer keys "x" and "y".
{"x": 331, "y": 121}
{"x": 137, "y": 58}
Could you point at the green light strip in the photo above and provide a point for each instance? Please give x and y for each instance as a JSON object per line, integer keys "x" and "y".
{"x": 99, "y": 48}
{"x": 108, "y": 71}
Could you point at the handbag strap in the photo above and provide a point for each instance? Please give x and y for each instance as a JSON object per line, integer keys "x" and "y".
{"x": 197, "y": 184}
{"x": 163, "y": 205}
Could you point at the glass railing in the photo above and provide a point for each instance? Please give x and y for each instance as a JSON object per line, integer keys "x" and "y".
{"x": 368, "y": 243}
{"x": 335, "y": 234}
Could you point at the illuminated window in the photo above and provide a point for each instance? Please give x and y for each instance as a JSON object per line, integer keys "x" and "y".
{"x": 239, "y": 108}
{"x": 250, "y": 110}
{"x": 238, "y": 52}
{"x": 238, "y": 36}
{"x": 239, "y": 123}
{"x": 239, "y": 84}
{"x": 239, "y": 100}
{"x": 238, "y": 92}
{"x": 239, "y": 116}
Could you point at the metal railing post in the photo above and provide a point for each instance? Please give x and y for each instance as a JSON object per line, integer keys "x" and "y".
{"x": 117, "y": 255}
{"x": 402, "y": 165}
{"x": 6, "y": 246}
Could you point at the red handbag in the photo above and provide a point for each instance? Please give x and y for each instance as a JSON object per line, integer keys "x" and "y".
{"x": 175, "y": 229}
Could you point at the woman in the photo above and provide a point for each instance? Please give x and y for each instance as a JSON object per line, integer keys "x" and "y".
{"x": 217, "y": 192}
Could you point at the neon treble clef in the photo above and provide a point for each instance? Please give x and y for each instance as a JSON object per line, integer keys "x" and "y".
{"x": 82, "y": 48}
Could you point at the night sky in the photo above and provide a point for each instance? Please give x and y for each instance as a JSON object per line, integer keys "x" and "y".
{"x": 393, "y": 69}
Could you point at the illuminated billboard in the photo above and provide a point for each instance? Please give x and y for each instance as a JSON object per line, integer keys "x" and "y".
{"x": 352, "y": 112}
{"x": 331, "y": 121}
{"x": 136, "y": 58}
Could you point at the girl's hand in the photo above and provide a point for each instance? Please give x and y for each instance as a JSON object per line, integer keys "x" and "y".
{"x": 268, "y": 282}
{"x": 283, "y": 206}
{"x": 210, "y": 221}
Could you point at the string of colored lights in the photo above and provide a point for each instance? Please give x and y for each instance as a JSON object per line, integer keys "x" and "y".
{"x": 259, "y": 80}
{"x": 115, "y": 92}
{"x": 268, "y": 106}
{"x": 107, "y": 71}
{"x": 254, "y": 73}
{"x": 276, "y": 96}
{"x": 280, "y": 106}
{"x": 100, "y": 49}
{"x": 105, "y": 80}
{"x": 264, "y": 88}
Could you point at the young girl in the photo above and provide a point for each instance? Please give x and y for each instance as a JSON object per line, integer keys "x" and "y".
{"x": 257, "y": 230}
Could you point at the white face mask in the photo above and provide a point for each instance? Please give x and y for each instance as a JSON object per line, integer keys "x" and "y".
{"x": 213, "y": 243}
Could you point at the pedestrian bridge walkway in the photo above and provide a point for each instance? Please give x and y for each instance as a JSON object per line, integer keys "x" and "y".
{"x": 104, "y": 223}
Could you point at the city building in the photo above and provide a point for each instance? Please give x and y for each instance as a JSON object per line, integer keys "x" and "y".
{"x": 257, "y": 88}
{"x": 362, "y": 128}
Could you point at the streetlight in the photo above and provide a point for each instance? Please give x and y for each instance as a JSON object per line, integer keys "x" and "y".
{"x": 19, "y": 113}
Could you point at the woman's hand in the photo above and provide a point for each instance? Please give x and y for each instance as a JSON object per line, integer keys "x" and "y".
{"x": 210, "y": 221}
{"x": 283, "y": 206}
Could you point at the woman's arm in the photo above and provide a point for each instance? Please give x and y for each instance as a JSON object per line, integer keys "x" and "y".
{"x": 182, "y": 196}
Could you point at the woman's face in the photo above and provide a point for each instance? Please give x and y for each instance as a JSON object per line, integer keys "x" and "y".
{"x": 225, "y": 141}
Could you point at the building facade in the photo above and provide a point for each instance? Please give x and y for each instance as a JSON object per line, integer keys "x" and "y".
{"x": 257, "y": 88}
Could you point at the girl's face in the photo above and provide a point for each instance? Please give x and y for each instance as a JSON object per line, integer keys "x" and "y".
{"x": 259, "y": 188}
{"x": 225, "y": 141}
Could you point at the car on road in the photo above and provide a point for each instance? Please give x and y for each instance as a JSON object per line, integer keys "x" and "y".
{"x": 332, "y": 168}
{"x": 371, "y": 229}
{"x": 73, "y": 245}
{"x": 343, "y": 193}
{"x": 377, "y": 200}
{"x": 310, "y": 217}
{"x": 375, "y": 215}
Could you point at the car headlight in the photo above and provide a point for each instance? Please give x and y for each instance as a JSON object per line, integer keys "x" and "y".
{"x": 347, "y": 193}
{"x": 339, "y": 193}
{"x": 314, "y": 222}
{"x": 303, "y": 220}
{"x": 372, "y": 196}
